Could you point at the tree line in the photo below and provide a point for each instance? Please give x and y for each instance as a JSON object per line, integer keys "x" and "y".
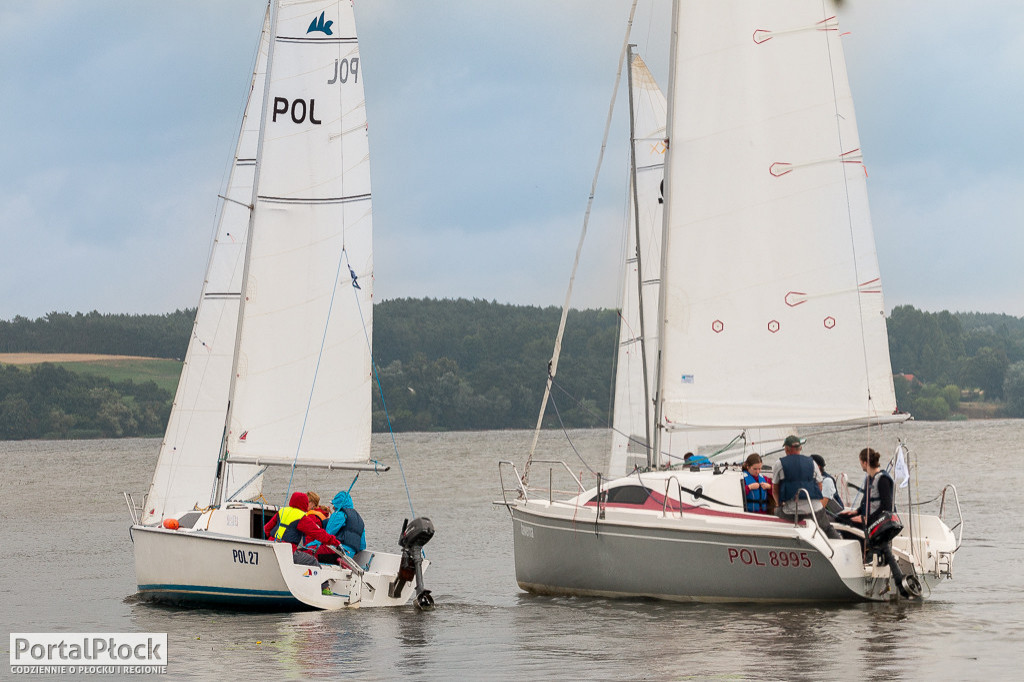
{"x": 470, "y": 364}
{"x": 48, "y": 401}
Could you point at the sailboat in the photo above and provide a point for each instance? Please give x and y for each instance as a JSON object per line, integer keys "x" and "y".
{"x": 278, "y": 369}
{"x": 754, "y": 311}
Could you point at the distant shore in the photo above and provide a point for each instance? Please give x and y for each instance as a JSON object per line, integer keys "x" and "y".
{"x": 36, "y": 358}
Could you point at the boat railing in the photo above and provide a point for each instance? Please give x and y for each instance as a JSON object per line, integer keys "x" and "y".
{"x": 679, "y": 496}
{"x": 523, "y": 491}
{"x": 134, "y": 508}
{"x": 959, "y": 527}
{"x": 814, "y": 519}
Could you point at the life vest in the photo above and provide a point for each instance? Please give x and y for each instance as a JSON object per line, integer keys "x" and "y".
{"x": 797, "y": 473}
{"x": 756, "y": 498}
{"x": 287, "y": 525}
{"x": 835, "y": 495}
{"x": 873, "y": 496}
{"x": 351, "y": 534}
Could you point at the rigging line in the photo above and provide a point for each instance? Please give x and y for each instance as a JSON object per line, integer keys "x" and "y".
{"x": 849, "y": 208}
{"x": 580, "y": 404}
{"x": 567, "y": 438}
{"x": 380, "y": 388}
{"x": 553, "y": 363}
{"x": 316, "y": 370}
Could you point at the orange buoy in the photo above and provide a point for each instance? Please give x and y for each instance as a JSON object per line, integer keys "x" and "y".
{"x": 171, "y": 524}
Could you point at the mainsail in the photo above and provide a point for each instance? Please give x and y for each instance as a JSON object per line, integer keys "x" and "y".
{"x": 302, "y": 390}
{"x": 772, "y": 300}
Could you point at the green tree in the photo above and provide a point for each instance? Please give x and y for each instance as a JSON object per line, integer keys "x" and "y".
{"x": 1013, "y": 390}
{"x": 986, "y": 371}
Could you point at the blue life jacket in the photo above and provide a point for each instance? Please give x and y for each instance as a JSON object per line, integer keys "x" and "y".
{"x": 756, "y": 499}
{"x": 797, "y": 473}
{"x": 351, "y": 533}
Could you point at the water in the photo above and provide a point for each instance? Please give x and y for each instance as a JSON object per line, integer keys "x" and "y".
{"x": 66, "y": 565}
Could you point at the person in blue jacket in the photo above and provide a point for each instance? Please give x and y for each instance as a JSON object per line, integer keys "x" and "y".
{"x": 347, "y": 524}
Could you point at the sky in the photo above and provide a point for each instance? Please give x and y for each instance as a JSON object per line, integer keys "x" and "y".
{"x": 119, "y": 119}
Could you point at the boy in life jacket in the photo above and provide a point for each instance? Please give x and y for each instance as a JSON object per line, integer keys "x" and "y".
{"x": 291, "y": 524}
{"x": 347, "y": 525}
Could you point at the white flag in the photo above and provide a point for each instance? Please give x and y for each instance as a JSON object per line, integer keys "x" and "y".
{"x": 901, "y": 471}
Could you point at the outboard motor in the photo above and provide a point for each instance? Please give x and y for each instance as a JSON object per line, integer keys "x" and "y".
{"x": 415, "y": 534}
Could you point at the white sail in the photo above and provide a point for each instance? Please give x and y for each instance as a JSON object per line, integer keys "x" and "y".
{"x": 187, "y": 463}
{"x": 629, "y": 422}
{"x": 773, "y": 306}
{"x": 302, "y": 390}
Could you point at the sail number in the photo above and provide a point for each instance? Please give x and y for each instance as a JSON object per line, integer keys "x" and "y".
{"x": 298, "y": 108}
{"x": 783, "y": 559}
{"x": 242, "y": 556}
{"x": 345, "y": 69}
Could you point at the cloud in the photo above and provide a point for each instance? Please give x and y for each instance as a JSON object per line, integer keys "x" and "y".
{"x": 485, "y": 123}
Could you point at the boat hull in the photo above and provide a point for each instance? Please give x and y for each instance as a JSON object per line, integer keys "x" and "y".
{"x": 212, "y": 569}
{"x": 673, "y": 558}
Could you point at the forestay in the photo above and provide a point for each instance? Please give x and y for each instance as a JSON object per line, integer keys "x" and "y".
{"x": 773, "y": 303}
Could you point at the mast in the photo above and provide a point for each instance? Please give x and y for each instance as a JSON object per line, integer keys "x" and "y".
{"x": 639, "y": 262}
{"x": 221, "y": 479}
{"x": 659, "y": 379}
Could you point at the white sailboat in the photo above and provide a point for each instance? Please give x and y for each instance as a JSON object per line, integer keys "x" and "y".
{"x": 769, "y": 320}
{"x": 278, "y": 370}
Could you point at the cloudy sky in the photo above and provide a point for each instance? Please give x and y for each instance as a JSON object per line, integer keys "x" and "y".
{"x": 119, "y": 119}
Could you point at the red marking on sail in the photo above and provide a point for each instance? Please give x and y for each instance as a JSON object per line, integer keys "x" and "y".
{"x": 780, "y": 168}
{"x": 871, "y": 286}
{"x": 243, "y": 436}
{"x": 795, "y": 298}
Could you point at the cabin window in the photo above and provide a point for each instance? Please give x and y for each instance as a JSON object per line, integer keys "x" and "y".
{"x": 624, "y": 494}
{"x": 260, "y": 518}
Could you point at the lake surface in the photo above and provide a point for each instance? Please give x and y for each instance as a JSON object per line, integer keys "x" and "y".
{"x": 66, "y": 565}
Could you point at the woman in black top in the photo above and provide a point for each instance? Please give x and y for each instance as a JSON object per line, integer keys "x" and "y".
{"x": 878, "y": 498}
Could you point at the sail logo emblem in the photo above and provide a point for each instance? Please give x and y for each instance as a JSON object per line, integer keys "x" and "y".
{"x": 319, "y": 24}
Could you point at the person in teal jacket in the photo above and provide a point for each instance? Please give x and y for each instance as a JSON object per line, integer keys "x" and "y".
{"x": 347, "y": 526}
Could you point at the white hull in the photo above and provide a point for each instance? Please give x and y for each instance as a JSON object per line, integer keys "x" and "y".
{"x": 707, "y": 552}
{"x": 212, "y": 568}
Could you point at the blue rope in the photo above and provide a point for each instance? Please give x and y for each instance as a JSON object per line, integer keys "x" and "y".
{"x": 380, "y": 388}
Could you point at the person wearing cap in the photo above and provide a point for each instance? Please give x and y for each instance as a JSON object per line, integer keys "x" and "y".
{"x": 829, "y": 491}
{"x": 793, "y": 473}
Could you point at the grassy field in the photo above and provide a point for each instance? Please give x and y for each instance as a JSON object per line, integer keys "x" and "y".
{"x": 163, "y": 371}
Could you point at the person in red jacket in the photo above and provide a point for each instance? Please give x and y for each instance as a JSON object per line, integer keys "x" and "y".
{"x": 291, "y": 524}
